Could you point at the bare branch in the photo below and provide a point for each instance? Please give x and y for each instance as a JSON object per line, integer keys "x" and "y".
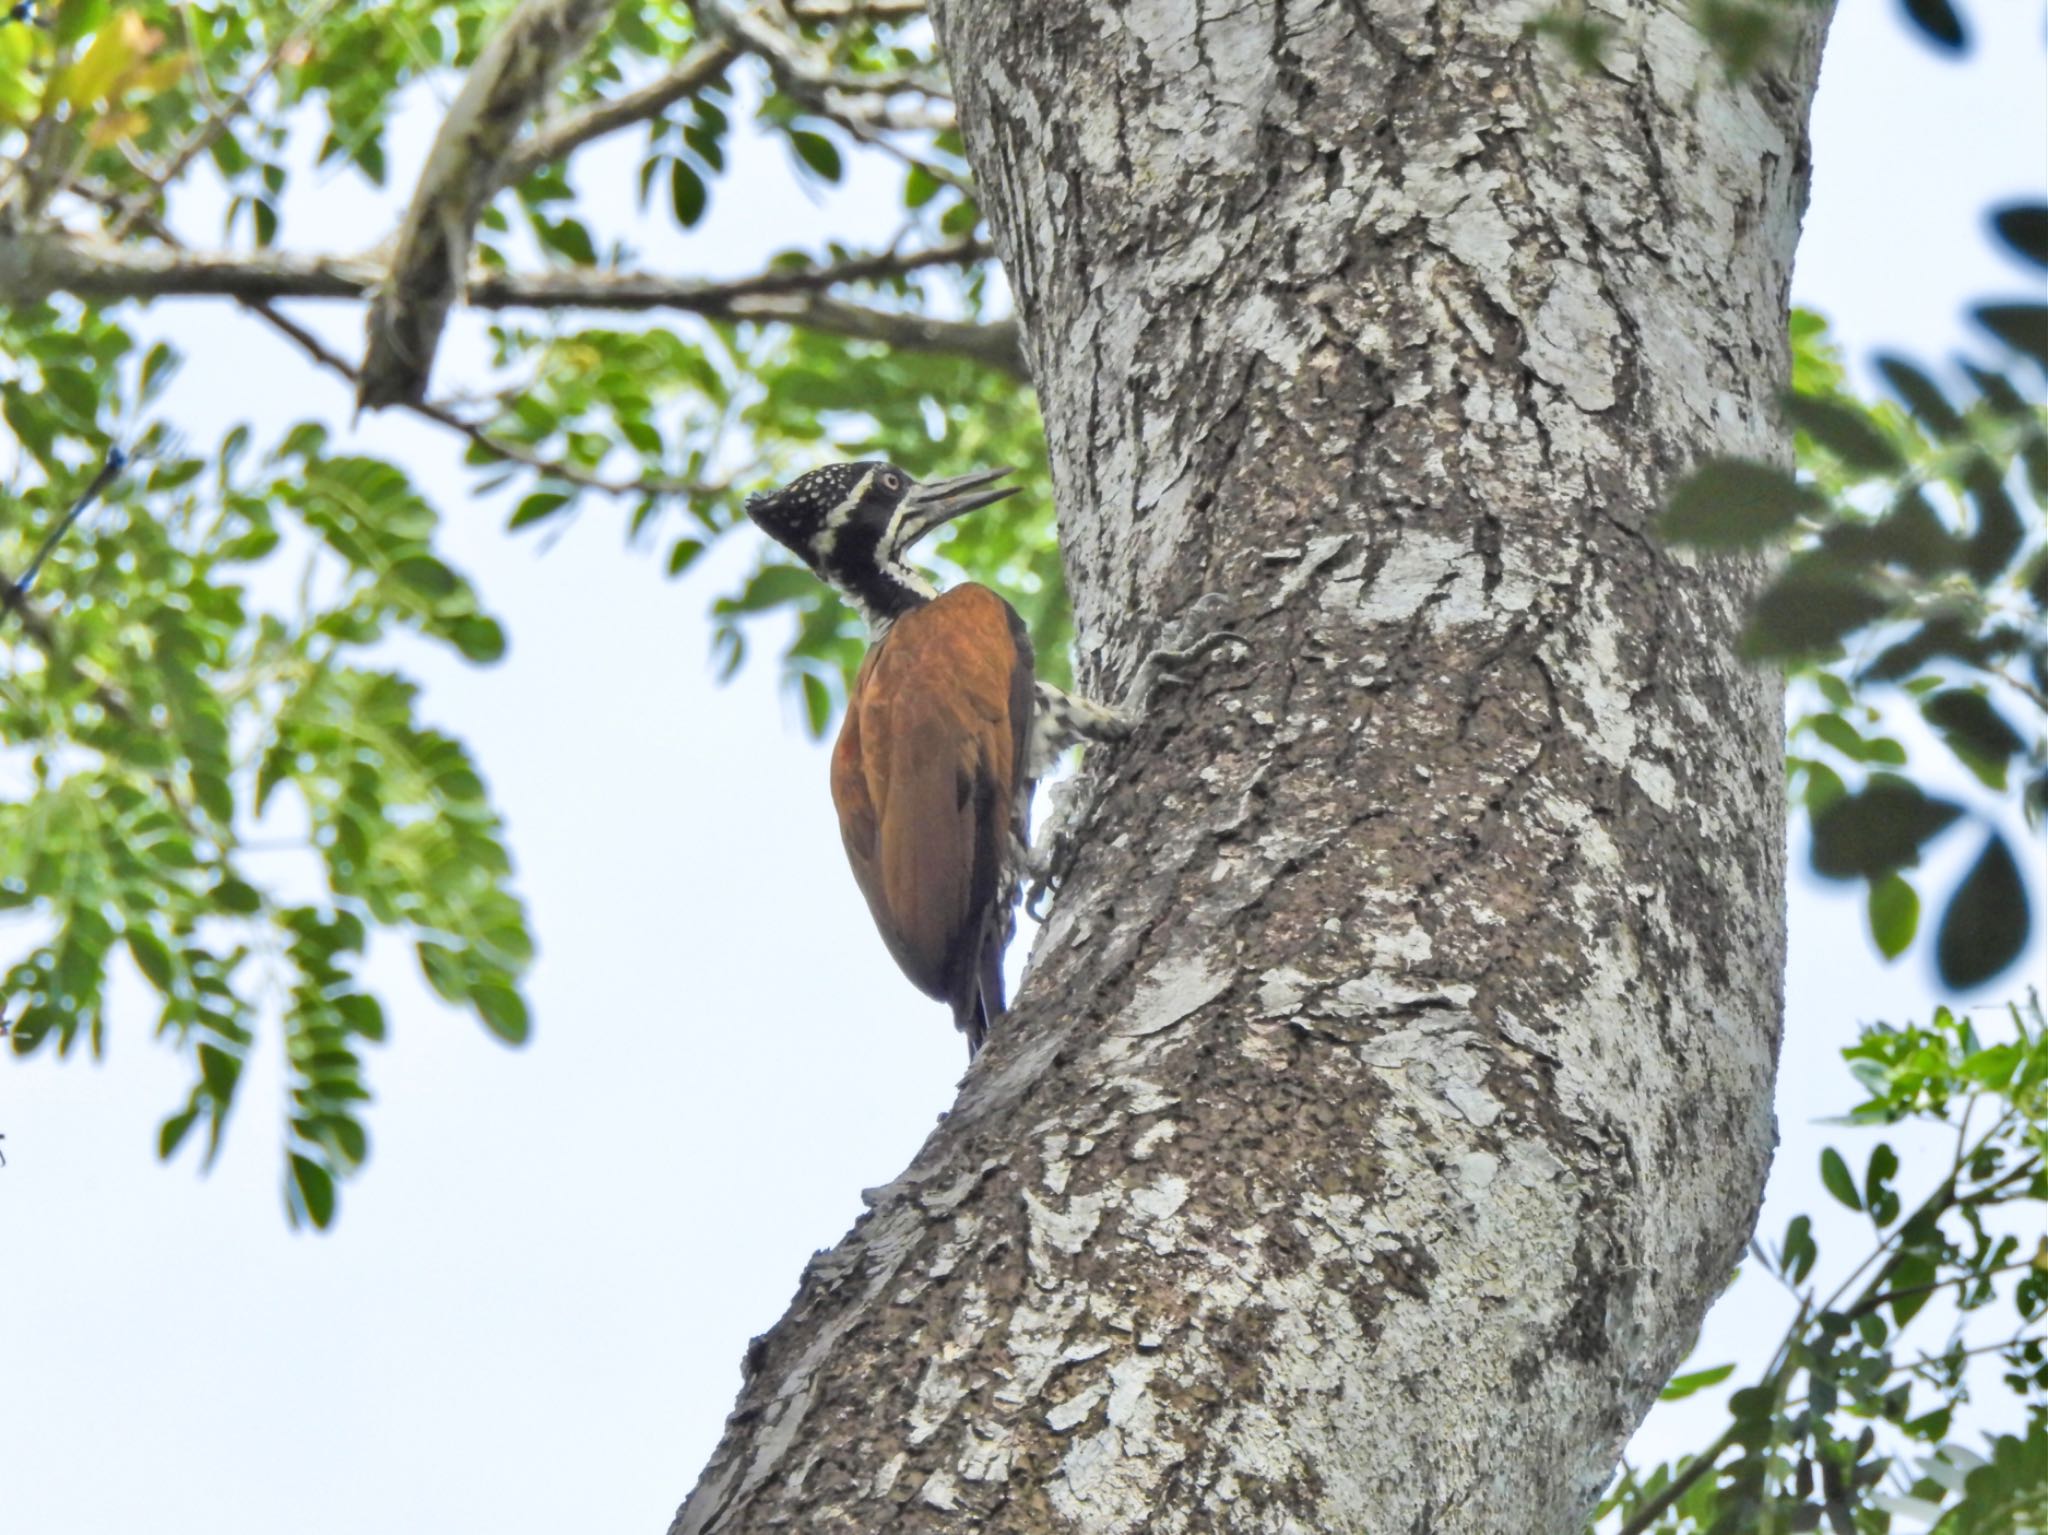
{"x": 497, "y": 447}
{"x": 504, "y": 90}
{"x": 704, "y": 65}
{"x": 993, "y": 346}
{"x": 557, "y": 140}
{"x": 855, "y": 10}
{"x": 804, "y": 75}
{"x": 34, "y": 266}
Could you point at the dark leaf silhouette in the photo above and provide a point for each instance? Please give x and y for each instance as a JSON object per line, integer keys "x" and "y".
{"x": 1987, "y": 920}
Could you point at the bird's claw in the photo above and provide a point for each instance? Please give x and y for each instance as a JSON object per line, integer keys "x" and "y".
{"x": 1154, "y": 677}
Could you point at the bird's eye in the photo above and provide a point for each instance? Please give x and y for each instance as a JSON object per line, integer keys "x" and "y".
{"x": 891, "y": 480}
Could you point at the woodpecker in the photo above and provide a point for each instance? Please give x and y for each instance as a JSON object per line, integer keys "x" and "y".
{"x": 946, "y": 731}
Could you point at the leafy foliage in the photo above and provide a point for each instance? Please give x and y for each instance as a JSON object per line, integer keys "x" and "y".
{"x": 181, "y": 711}
{"x": 207, "y": 775}
{"x": 1851, "y": 1425}
{"x": 1916, "y": 579}
{"x": 1745, "y": 35}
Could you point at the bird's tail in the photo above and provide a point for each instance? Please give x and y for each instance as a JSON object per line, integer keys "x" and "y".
{"x": 978, "y": 1004}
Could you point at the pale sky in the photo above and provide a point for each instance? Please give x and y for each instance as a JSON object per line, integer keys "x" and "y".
{"x": 530, "y": 1315}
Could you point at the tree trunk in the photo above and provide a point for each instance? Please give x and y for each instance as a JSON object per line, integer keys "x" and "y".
{"x": 1391, "y": 1093}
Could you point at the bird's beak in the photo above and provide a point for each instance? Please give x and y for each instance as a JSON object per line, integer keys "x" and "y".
{"x": 929, "y": 506}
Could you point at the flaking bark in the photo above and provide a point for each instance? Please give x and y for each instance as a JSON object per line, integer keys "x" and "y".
{"x": 1390, "y": 1094}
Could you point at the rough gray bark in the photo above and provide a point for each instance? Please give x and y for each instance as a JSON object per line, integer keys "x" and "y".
{"x": 1391, "y": 1091}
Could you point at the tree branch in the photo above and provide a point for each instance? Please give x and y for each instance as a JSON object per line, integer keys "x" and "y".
{"x": 701, "y": 67}
{"x": 847, "y": 99}
{"x": 497, "y": 447}
{"x": 557, "y": 140}
{"x": 464, "y": 168}
{"x": 854, "y": 10}
{"x": 33, "y": 266}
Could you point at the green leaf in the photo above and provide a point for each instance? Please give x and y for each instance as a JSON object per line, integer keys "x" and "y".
{"x": 960, "y": 218}
{"x": 1834, "y": 1175}
{"x": 1922, "y": 395}
{"x": 2023, "y": 327}
{"x": 568, "y": 237}
{"x": 1799, "y": 1252}
{"x": 362, "y": 1013}
{"x": 478, "y": 638}
{"x": 817, "y": 704}
{"x": 687, "y": 193}
{"x": 540, "y": 505}
{"x": 1910, "y": 1285}
{"x": 1894, "y": 914}
{"x": 237, "y": 896}
{"x": 1841, "y": 735}
{"x": 1912, "y": 535}
{"x": 1883, "y": 1203}
{"x": 1847, "y": 432}
{"x": 503, "y": 1011}
{"x": 1809, "y": 610}
{"x": 151, "y": 958}
{"x": 818, "y": 152}
{"x": 443, "y": 969}
{"x": 1733, "y": 503}
{"x": 1939, "y": 24}
{"x": 74, "y": 391}
{"x": 1823, "y": 785}
{"x": 771, "y": 586}
{"x": 173, "y": 1131}
{"x": 426, "y": 575}
{"x": 919, "y": 187}
{"x": 2000, "y": 532}
{"x": 1882, "y": 828}
{"x": 2024, "y": 228}
{"x": 684, "y": 555}
{"x": 157, "y": 369}
{"x": 220, "y": 1071}
{"x": 1993, "y": 1067}
{"x": 1986, "y": 924}
{"x": 1683, "y": 1386}
{"x": 315, "y": 1190}
{"x": 214, "y": 796}
{"x": 1975, "y": 731}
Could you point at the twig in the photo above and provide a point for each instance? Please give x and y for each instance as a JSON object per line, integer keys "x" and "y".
{"x": 802, "y": 77}
{"x": 201, "y": 139}
{"x": 1885, "y": 1297}
{"x": 497, "y": 447}
{"x": 557, "y": 140}
{"x": 854, "y": 10}
{"x": 1933, "y": 1207}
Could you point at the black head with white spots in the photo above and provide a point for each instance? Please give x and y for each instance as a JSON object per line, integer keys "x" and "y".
{"x": 854, "y": 524}
{"x": 833, "y": 509}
